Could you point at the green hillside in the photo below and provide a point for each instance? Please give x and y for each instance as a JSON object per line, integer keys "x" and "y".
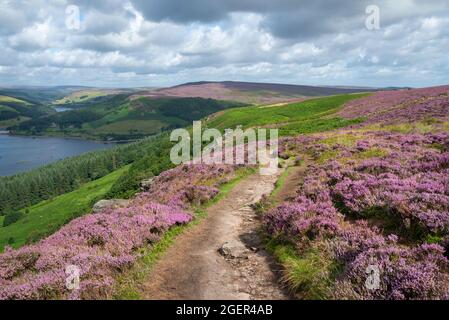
{"x": 295, "y": 118}
{"x": 90, "y": 97}
{"x": 13, "y": 111}
{"x": 8, "y": 99}
{"x": 81, "y": 96}
{"x": 40, "y": 95}
{"x": 47, "y": 216}
{"x": 120, "y": 114}
{"x": 118, "y": 117}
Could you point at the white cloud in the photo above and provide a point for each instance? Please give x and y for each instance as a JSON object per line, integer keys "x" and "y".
{"x": 34, "y": 37}
{"x": 307, "y": 43}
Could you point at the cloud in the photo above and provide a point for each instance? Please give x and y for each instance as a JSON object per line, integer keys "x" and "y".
{"x": 32, "y": 38}
{"x": 163, "y": 42}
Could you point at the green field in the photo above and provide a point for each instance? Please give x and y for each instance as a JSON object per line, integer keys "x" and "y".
{"x": 12, "y": 100}
{"x": 309, "y": 116}
{"x": 81, "y": 96}
{"x": 46, "y": 217}
{"x": 121, "y": 117}
{"x": 13, "y": 111}
{"x": 6, "y": 108}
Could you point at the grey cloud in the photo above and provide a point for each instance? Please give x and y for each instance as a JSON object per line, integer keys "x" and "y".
{"x": 299, "y": 19}
{"x": 285, "y": 18}
{"x": 311, "y": 42}
{"x": 181, "y": 11}
{"x": 105, "y": 6}
{"x": 100, "y": 23}
{"x": 207, "y": 10}
{"x": 10, "y": 23}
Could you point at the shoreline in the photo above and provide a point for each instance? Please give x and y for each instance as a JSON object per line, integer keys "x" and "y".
{"x": 68, "y": 137}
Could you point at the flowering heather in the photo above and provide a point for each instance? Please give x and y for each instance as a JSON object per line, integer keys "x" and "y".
{"x": 380, "y": 204}
{"x": 400, "y": 105}
{"x": 303, "y": 217}
{"x": 187, "y": 184}
{"x": 103, "y": 244}
{"x": 419, "y": 272}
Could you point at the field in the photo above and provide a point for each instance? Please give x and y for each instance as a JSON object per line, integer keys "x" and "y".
{"x": 12, "y": 100}
{"x": 48, "y": 216}
{"x": 40, "y": 95}
{"x": 119, "y": 117}
{"x": 13, "y": 110}
{"x": 83, "y": 96}
{"x": 100, "y": 115}
{"x": 6, "y": 108}
{"x": 366, "y": 198}
{"x": 308, "y": 116}
{"x": 375, "y": 196}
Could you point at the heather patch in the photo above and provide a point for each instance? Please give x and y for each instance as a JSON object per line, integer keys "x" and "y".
{"x": 103, "y": 245}
{"x": 382, "y": 204}
{"x": 400, "y": 106}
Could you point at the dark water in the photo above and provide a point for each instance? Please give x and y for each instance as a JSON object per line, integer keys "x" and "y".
{"x": 19, "y": 154}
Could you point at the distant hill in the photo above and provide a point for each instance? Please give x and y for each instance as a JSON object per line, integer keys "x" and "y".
{"x": 123, "y": 114}
{"x": 88, "y": 97}
{"x": 39, "y": 95}
{"x": 14, "y": 110}
{"x": 250, "y": 92}
{"x": 117, "y": 117}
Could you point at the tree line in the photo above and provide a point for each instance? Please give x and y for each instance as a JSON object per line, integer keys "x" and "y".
{"x": 28, "y": 188}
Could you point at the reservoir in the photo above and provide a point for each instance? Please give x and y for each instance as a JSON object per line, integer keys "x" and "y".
{"x": 19, "y": 154}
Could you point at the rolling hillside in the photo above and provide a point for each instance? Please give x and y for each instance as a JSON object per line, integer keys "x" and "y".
{"x": 88, "y": 97}
{"x": 117, "y": 117}
{"x": 39, "y": 94}
{"x": 48, "y": 216}
{"x": 308, "y": 116}
{"x": 14, "y": 110}
{"x": 345, "y": 198}
{"x": 250, "y": 92}
{"x": 124, "y": 114}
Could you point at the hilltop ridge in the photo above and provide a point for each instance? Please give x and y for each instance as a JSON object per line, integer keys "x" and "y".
{"x": 250, "y": 92}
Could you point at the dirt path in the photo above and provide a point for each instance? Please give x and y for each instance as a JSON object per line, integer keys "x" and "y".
{"x": 222, "y": 257}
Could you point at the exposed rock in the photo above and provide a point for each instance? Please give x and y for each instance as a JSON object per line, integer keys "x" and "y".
{"x": 234, "y": 249}
{"x": 109, "y": 204}
{"x": 146, "y": 184}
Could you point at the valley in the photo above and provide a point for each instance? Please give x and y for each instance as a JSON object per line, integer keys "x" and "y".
{"x": 225, "y": 158}
{"x": 276, "y": 242}
{"x": 130, "y": 114}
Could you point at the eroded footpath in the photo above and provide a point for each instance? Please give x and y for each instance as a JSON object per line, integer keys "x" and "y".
{"x": 222, "y": 257}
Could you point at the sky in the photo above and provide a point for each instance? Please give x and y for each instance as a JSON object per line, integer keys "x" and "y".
{"x": 154, "y": 43}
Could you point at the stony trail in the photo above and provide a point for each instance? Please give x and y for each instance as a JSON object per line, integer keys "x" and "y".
{"x": 222, "y": 257}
